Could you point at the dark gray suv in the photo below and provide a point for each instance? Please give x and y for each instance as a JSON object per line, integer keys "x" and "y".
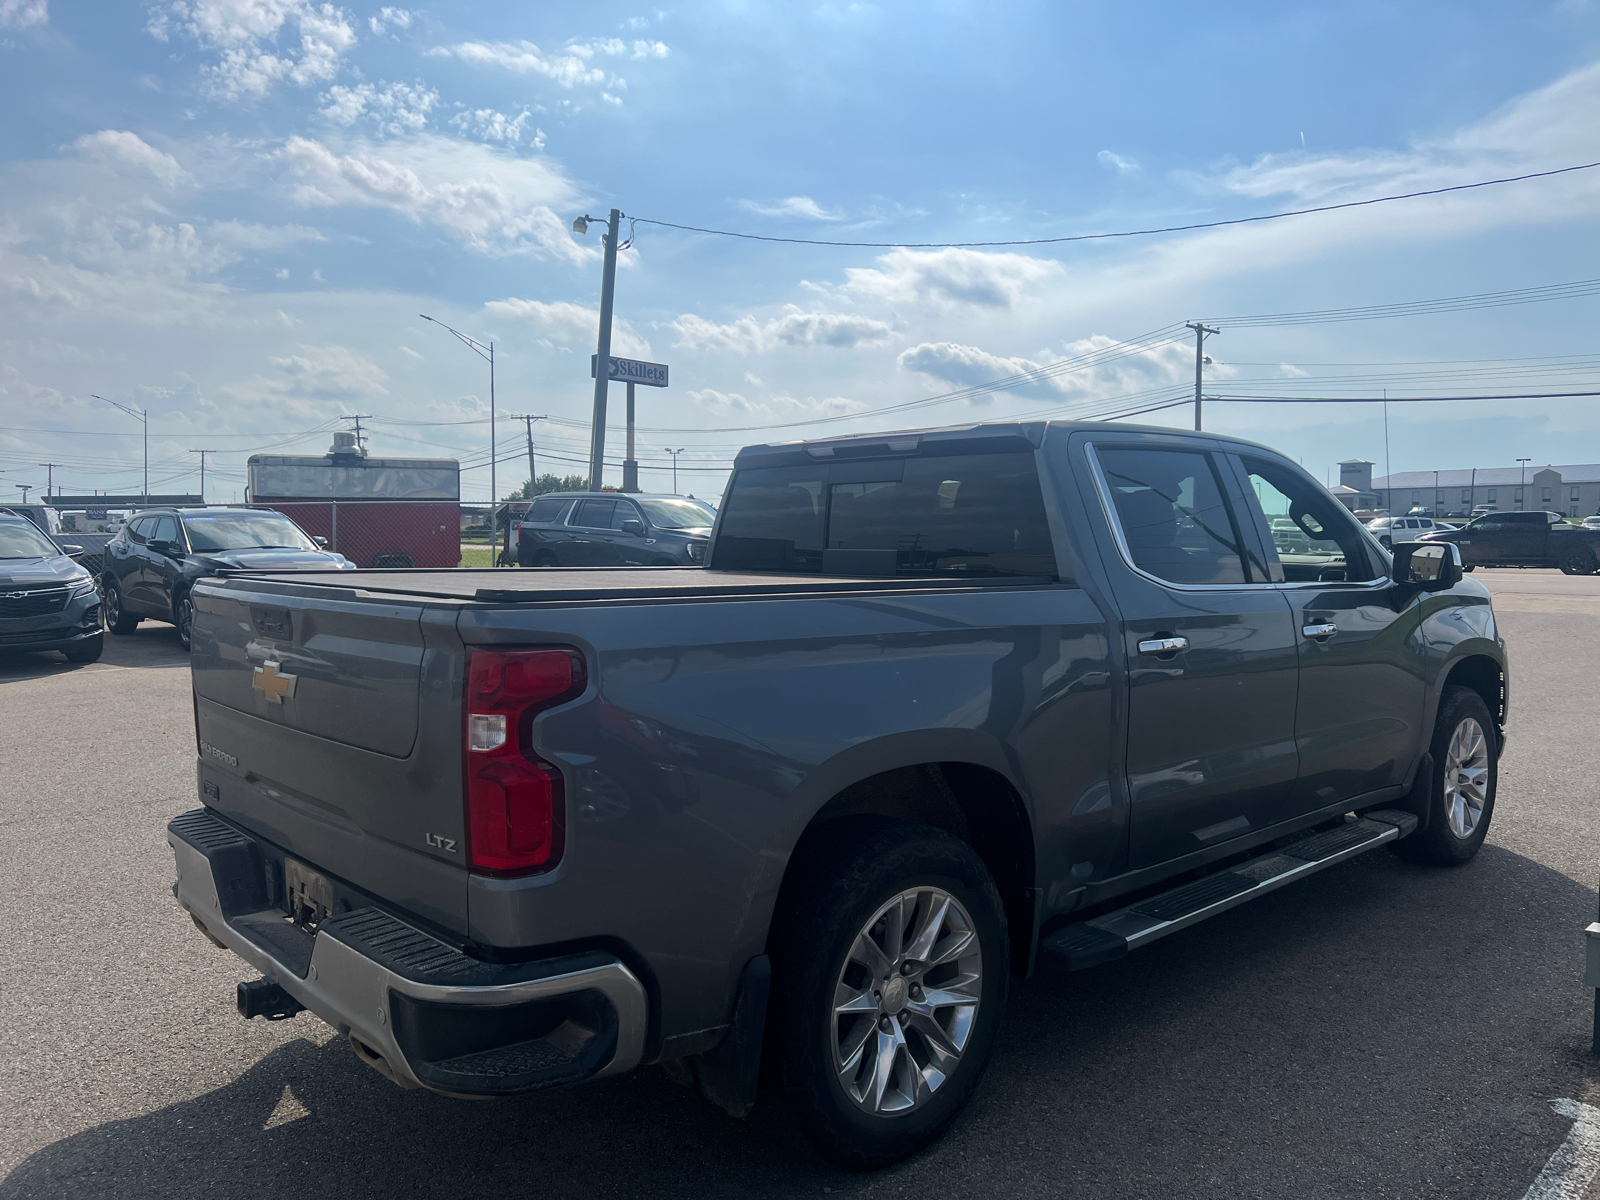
{"x": 47, "y": 601}
{"x": 609, "y": 529}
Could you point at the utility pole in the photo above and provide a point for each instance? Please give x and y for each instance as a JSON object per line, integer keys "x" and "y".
{"x": 1200, "y": 332}
{"x": 674, "y": 454}
{"x": 602, "y": 367}
{"x": 1522, "y": 488}
{"x": 527, "y": 425}
{"x": 485, "y": 352}
{"x": 357, "y": 418}
{"x": 1388, "y": 469}
{"x": 203, "y": 453}
{"x": 144, "y": 416}
{"x": 49, "y": 478}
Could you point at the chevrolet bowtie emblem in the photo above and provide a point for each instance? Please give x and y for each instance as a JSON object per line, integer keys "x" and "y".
{"x": 273, "y": 683}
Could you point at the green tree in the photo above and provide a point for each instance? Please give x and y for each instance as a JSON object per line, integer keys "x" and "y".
{"x": 549, "y": 483}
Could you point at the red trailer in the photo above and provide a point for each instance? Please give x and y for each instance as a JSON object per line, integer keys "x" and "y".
{"x": 377, "y": 512}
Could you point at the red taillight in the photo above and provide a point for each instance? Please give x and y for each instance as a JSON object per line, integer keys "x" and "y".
{"x": 515, "y": 799}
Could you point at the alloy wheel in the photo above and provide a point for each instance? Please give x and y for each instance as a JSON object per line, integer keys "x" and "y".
{"x": 111, "y": 606}
{"x": 906, "y": 1001}
{"x": 1466, "y": 778}
{"x": 185, "y": 620}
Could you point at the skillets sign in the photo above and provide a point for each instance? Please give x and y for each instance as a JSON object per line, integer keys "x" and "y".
{"x": 629, "y": 370}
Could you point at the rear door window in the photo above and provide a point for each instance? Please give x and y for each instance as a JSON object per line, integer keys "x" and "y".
{"x": 594, "y": 514}
{"x": 956, "y": 514}
{"x": 139, "y": 530}
{"x": 1173, "y": 518}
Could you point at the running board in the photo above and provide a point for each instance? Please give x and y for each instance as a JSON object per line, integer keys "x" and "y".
{"x": 1090, "y": 943}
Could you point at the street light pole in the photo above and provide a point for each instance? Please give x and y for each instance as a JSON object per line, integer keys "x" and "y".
{"x": 674, "y": 454}
{"x": 144, "y": 416}
{"x": 485, "y": 352}
{"x": 1522, "y": 488}
{"x": 602, "y": 366}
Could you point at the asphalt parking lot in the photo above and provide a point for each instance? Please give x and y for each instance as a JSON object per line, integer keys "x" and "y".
{"x": 1381, "y": 1029}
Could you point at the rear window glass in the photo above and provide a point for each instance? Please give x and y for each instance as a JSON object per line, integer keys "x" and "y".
{"x": 973, "y": 514}
{"x": 1174, "y": 520}
{"x": 547, "y": 512}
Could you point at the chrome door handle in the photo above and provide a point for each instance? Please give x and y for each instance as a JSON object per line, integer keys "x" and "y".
{"x": 1166, "y": 645}
{"x": 1325, "y": 630}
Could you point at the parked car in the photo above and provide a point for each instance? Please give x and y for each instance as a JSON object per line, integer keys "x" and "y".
{"x": 1389, "y": 530}
{"x": 610, "y": 529}
{"x": 939, "y": 701}
{"x": 150, "y": 567}
{"x": 1525, "y": 539}
{"x": 47, "y": 601}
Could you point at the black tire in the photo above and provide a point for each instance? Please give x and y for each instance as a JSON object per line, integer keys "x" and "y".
{"x": 117, "y": 619}
{"x": 1439, "y": 844}
{"x": 183, "y": 618}
{"x": 824, "y": 912}
{"x": 544, "y": 559}
{"x": 86, "y": 651}
{"x": 1577, "y": 560}
{"x": 1470, "y": 569}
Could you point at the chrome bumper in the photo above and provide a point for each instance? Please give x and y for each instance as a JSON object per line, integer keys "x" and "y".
{"x": 352, "y": 992}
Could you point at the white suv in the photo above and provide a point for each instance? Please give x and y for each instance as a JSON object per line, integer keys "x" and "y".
{"x": 1389, "y": 530}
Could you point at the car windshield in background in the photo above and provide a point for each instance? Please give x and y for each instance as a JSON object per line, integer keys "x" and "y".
{"x": 19, "y": 539}
{"x": 678, "y": 514}
{"x": 244, "y": 531}
{"x": 968, "y": 514}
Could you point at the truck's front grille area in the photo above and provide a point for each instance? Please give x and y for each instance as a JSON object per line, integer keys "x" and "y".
{"x": 32, "y": 602}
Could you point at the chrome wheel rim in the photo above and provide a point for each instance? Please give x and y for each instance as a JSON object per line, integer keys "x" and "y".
{"x": 1466, "y": 778}
{"x": 112, "y": 605}
{"x": 906, "y": 1001}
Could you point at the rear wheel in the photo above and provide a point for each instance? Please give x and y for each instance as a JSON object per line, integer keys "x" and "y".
{"x": 890, "y": 975}
{"x": 1465, "y": 771}
{"x": 117, "y": 619}
{"x": 544, "y": 559}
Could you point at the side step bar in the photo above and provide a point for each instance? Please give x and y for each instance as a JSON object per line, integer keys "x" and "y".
{"x": 1090, "y": 943}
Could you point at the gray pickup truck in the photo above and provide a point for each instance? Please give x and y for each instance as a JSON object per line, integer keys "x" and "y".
{"x": 791, "y": 824}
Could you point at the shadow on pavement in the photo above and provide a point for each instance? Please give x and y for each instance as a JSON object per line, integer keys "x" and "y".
{"x": 1381, "y": 1029}
{"x": 152, "y": 644}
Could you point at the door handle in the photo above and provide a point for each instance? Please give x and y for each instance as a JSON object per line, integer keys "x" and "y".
{"x": 1325, "y": 630}
{"x": 1163, "y": 645}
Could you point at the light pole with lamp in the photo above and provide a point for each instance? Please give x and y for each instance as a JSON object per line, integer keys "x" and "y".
{"x": 144, "y": 417}
{"x": 674, "y": 454}
{"x": 487, "y": 354}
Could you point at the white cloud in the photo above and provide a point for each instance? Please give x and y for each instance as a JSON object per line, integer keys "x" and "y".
{"x": 986, "y": 279}
{"x": 971, "y": 366}
{"x": 1292, "y": 371}
{"x": 491, "y": 202}
{"x": 395, "y": 108}
{"x": 246, "y": 36}
{"x": 19, "y": 14}
{"x": 792, "y": 206}
{"x": 781, "y": 407}
{"x": 490, "y": 125}
{"x": 563, "y": 322}
{"x": 121, "y": 146}
{"x": 796, "y": 327}
{"x": 1116, "y": 162}
{"x": 398, "y": 17}
{"x": 574, "y": 67}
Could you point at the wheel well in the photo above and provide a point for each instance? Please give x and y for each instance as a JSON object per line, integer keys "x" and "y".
{"x": 1484, "y": 676}
{"x": 969, "y": 802}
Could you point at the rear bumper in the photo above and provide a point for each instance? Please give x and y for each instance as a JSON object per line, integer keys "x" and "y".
{"x": 416, "y": 1009}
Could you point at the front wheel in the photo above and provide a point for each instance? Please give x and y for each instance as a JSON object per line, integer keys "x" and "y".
{"x": 117, "y": 620}
{"x": 184, "y": 620}
{"x": 890, "y": 976}
{"x": 1577, "y": 561}
{"x": 1465, "y": 771}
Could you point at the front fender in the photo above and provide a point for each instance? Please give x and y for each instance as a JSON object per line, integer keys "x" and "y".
{"x": 1456, "y": 626}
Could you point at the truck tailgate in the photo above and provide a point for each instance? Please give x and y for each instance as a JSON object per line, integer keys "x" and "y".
{"x": 307, "y": 707}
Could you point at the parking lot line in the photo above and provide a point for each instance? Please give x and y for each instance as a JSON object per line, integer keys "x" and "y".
{"x": 1573, "y": 1166}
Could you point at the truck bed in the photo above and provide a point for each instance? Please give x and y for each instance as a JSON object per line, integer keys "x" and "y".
{"x": 554, "y": 585}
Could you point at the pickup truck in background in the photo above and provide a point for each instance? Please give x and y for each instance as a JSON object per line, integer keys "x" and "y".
{"x": 1524, "y": 539}
{"x": 941, "y": 700}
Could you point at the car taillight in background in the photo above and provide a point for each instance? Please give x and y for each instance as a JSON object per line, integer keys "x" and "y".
{"x": 515, "y": 800}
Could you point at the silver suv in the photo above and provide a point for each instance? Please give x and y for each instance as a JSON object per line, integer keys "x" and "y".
{"x": 1408, "y": 529}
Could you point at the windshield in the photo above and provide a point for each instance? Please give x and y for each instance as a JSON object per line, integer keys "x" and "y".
{"x": 244, "y": 531}
{"x": 678, "y": 514}
{"x": 19, "y": 539}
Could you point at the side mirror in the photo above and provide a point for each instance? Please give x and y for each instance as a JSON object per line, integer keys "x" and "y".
{"x": 1427, "y": 566}
{"x": 322, "y": 542}
{"x": 634, "y": 526}
{"x": 159, "y": 546}
{"x": 71, "y": 551}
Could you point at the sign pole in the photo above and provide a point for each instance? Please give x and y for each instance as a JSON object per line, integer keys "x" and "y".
{"x": 608, "y": 287}
{"x": 630, "y": 465}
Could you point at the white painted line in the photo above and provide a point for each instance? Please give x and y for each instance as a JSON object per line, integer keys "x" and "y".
{"x": 1575, "y": 1163}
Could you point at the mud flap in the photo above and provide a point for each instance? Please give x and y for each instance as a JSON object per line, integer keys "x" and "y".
{"x": 729, "y": 1074}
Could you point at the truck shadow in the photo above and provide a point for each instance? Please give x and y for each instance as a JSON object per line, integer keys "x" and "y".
{"x": 1379, "y": 1029}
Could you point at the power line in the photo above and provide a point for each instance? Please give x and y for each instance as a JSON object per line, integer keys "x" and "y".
{"x": 1090, "y": 237}
{"x": 1396, "y": 399}
{"x": 1412, "y": 308}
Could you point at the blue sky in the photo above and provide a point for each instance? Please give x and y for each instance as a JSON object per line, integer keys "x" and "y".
{"x": 230, "y": 212}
